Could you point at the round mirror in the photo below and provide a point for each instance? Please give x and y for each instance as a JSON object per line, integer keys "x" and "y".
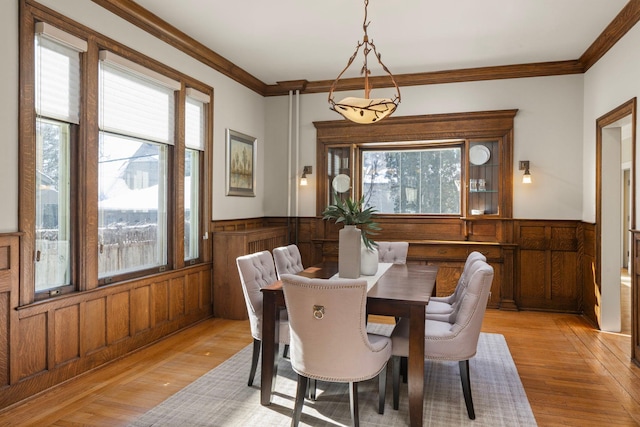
{"x": 341, "y": 183}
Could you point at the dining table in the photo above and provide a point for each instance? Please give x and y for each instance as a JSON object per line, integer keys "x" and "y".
{"x": 401, "y": 290}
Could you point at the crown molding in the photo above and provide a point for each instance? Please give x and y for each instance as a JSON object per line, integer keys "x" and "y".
{"x": 621, "y": 24}
{"x": 142, "y": 18}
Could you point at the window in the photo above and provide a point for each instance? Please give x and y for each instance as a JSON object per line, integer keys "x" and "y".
{"x": 113, "y": 161}
{"x": 57, "y": 106}
{"x": 195, "y": 137}
{"x": 420, "y": 165}
{"x": 136, "y": 122}
{"x": 412, "y": 181}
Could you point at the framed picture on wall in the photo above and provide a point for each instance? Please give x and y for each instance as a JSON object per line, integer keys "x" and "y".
{"x": 241, "y": 164}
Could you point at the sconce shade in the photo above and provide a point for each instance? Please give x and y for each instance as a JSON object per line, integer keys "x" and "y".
{"x": 526, "y": 177}
{"x": 305, "y": 170}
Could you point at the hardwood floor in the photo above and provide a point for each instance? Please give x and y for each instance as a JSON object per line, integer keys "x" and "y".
{"x": 573, "y": 375}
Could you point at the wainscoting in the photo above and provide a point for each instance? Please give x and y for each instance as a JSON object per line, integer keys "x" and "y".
{"x": 540, "y": 265}
{"x": 48, "y": 342}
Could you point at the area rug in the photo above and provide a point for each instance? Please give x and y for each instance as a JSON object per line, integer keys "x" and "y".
{"x": 222, "y": 398}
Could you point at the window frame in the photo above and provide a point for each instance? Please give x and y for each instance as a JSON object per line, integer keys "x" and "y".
{"x": 418, "y": 131}
{"x": 84, "y": 161}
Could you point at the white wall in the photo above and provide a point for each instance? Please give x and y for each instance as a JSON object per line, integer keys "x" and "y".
{"x": 9, "y": 116}
{"x": 548, "y": 132}
{"x": 612, "y": 81}
{"x": 235, "y": 106}
{"x": 608, "y": 84}
{"x": 554, "y": 127}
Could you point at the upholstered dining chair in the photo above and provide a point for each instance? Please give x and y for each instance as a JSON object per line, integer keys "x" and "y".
{"x": 257, "y": 271}
{"x": 442, "y": 308}
{"x": 329, "y": 341}
{"x": 456, "y": 340}
{"x": 395, "y": 252}
{"x": 288, "y": 260}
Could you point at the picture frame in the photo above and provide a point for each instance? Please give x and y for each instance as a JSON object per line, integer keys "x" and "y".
{"x": 241, "y": 164}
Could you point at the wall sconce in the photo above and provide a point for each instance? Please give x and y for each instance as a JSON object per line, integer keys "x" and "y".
{"x": 306, "y": 170}
{"x": 526, "y": 177}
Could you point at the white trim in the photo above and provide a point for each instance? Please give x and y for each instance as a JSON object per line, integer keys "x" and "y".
{"x": 199, "y": 96}
{"x": 136, "y": 68}
{"x": 59, "y": 36}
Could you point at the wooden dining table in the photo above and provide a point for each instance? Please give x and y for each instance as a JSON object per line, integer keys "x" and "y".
{"x": 402, "y": 291}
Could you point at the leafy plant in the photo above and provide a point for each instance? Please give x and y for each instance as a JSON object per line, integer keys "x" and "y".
{"x": 350, "y": 212}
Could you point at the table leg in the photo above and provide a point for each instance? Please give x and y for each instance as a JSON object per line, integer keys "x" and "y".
{"x": 270, "y": 348}
{"x": 416, "y": 365}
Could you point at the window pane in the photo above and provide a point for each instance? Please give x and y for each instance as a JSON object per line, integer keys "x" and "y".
{"x": 132, "y": 205}
{"x": 412, "y": 181}
{"x": 194, "y": 124}
{"x": 191, "y": 204}
{"x": 52, "y": 224}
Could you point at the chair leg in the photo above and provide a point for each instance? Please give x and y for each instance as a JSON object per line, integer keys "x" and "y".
{"x": 353, "y": 403}
{"x": 395, "y": 374}
{"x": 466, "y": 387}
{"x": 311, "y": 389}
{"x": 382, "y": 389}
{"x": 285, "y": 352}
{"x": 297, "y": 407}
{"x": 257, "y": 344}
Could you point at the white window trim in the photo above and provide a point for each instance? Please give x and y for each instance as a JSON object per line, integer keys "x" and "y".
{"x": 136, "y": 68}
{"x": 59, "y": 36}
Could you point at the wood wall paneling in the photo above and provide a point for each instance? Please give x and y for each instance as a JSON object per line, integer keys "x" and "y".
{"x": 140, "y": 309}
{"x": 94, "y": 325}
{"x": 590, "y": 288}
{"x": 66, "y": 343}
{"x": 32, "y": 349}
{"x": 118, "y": 318}
{"x": 192, "y": 293}
{"x": 635, "y": 297}
{"x": 550, "y": 274}
{"x": 9, "y": 274}
{"x": 228, "y": 298}
{"x": 161, "y": 302}
{"x": 176, "y": 298}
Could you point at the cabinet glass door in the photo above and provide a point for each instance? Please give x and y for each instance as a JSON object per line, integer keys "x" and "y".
{"x": 339, "y": 174}
{"x": 484, "y": 178}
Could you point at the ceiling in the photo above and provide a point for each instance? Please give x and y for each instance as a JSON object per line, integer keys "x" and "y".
{"x": 283, "y": 40}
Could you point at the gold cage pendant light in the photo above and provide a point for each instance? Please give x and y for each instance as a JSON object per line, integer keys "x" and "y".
{"x": 365, "y": 110}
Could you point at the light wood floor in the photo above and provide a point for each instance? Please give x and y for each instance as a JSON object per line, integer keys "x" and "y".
{"x": 573, "y": 375}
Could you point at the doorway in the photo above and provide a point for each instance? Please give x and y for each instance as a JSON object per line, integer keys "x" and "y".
{"x": 615, "y": 151}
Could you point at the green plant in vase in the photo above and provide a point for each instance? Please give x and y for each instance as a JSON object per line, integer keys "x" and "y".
{"x": 351, "y": 212}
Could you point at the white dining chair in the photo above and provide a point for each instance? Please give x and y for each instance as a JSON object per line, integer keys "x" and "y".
{"x": 455, "y": 340}
{"x": 394, "y": 252}
{"x": 288, "y": 260}
{"x": 442, "y": 308}
{"x": 329, "y": 340}
{"x": 257, "y": 271}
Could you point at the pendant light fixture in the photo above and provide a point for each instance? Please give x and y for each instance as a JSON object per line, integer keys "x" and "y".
{"x": 365, "y": 110}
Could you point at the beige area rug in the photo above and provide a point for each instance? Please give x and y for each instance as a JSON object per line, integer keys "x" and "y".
{"x": 222, "y": 398}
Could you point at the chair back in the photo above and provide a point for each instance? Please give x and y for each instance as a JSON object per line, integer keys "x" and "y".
{"x": 328, "y": 332}
{"x": 256, "y": 271}
{"x": 467, "y": 271}
{"x": 288, "y": 260}
{"x": 460, "y": 339}
{"x": 395, "y": 252}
